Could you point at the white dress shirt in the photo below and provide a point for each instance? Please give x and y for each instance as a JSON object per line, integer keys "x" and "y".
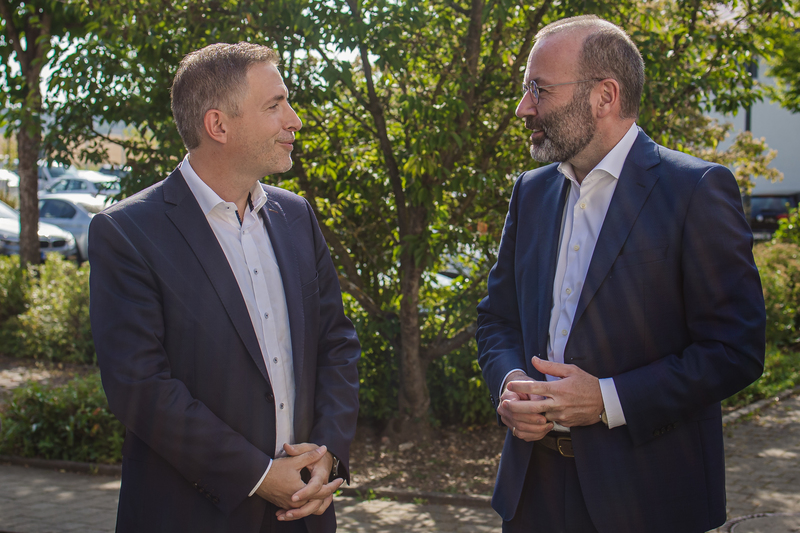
{"x": 252, "y": 259}
{"x": 583, "y": 217}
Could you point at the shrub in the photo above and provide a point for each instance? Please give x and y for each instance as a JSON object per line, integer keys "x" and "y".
{"x": 14, "y": 288}
{"x": 779, "y": 266}
{"x": 459, "y": 394}
{"x": 71, "y": 423}
{"x": 56, "y": 323}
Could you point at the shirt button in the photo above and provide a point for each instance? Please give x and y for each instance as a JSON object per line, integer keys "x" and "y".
{"x": 564, "y": 332}
{"x": 281, "y": 405}
{"x": 569, "y": 291}
{"x": 255, "y": 271}
{"x": 583, "y": 205}
{"x": 266, "y": 315}
{"x": 576, "y": 247}
{"x": 275, "y": 360}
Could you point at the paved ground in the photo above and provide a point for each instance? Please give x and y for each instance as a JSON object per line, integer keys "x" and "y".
{"x": 763, "y": 472}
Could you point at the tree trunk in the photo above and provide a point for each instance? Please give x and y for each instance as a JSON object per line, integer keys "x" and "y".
{"x": 29, "y": 138}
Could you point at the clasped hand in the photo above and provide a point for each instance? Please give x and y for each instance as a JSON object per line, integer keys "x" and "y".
{"x": 284, "y": 487}
{"x": 532, "y": 406}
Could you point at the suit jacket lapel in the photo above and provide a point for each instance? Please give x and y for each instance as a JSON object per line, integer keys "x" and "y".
{"x": 191, "y": 222}
{"x": 283, "y": 245}
{"x": 634, "y": 186}
{"x": 551, "y": 211}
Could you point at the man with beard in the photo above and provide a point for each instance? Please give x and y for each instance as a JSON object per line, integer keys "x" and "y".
{"x": 624, "y": 306}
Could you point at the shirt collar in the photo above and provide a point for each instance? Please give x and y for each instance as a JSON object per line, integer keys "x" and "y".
{"x": 206, "y": 196}
{"x": 614, "y": 160}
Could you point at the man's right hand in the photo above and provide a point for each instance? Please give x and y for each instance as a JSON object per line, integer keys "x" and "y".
{"x": 283, "y": 480}
{"x": 523, "y": 417}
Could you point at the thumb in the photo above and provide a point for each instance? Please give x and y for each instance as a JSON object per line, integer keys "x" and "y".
{"x": 294, "y": 450}
{"x": 550, "y": 368}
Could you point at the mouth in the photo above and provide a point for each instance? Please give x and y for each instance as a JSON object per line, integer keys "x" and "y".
{"x": 537, "y": 136}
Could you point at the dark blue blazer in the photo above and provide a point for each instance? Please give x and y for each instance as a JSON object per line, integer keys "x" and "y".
{"x": 182, "y": 367}
{"x": 672, "y": 309}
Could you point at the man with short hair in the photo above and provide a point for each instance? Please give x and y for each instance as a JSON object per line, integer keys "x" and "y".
{"x": 624, "y": 306}
{"x": 218, "y": 321}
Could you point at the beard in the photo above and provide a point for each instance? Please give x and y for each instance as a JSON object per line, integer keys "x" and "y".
{"x": 567, "y": 130}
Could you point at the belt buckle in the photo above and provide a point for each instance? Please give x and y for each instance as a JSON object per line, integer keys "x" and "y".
{"x": 559, "y": 440}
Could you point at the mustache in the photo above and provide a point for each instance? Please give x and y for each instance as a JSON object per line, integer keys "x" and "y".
{"x": 532, "y": 124}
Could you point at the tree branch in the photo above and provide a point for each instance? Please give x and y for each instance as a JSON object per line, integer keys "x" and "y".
{"x": 363, "y": 299}
{"x": 429, "y": 353}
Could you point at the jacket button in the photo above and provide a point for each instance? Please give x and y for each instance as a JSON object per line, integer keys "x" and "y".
{"x": 269, "y": 396}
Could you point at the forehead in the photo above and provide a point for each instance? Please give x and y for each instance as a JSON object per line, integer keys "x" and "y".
{"x": 554, "y": 59}
{"x": 264, "y": 81}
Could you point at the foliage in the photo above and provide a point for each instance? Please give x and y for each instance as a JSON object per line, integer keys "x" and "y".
{"x": 410, "y": 145}
{"x": 14, "y": 289}
{"x": 781, "y": 372}
{"x": 788, "y": 228}
{"x": 459, "y": 394}
{"x": 785, "y": 62}
{"x": 779, "y": 267}
{"x": 55, "y": 324}
{"x": 71, "y": 422}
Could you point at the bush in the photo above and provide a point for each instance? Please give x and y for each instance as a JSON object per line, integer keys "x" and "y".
{"x": 779, "y": 267}
{"x": 71, "y": 423}
{"x": 14, "y": 288}
{"x": 781, "y": 372}
{"x": 459, "y": 394}
{"x": 56, "y": 323}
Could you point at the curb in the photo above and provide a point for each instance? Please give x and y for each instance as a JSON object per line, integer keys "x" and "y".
{"x": 733, "y": 416}
{"x": 730, "y": 525}
{"x": 63, "y": 466}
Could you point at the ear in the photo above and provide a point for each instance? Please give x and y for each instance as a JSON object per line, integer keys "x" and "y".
{"x": 607, "y": 97}
{"x": 215, "y": 122}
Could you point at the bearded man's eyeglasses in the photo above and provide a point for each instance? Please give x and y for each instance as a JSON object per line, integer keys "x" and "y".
{"x": 532, "y": 88}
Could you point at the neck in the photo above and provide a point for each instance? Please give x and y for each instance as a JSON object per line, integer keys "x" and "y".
{"x": 221, "y": 176}
{"x": 603, "y": 142}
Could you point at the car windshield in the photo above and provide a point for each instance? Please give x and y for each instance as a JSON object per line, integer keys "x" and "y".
{"x": 7, "y": 212}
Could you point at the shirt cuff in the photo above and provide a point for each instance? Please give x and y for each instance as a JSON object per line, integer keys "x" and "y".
{"x": 261, "y": 480}
{"x": 504, "y": 381}
{"x": 611, "y": 403}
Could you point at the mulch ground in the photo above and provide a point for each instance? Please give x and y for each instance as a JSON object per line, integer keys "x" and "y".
{"x": 456, "y": 460}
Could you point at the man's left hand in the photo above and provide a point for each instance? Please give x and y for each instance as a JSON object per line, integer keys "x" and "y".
{"x": 317, "y": 491}
{"x": 573, "y": 400}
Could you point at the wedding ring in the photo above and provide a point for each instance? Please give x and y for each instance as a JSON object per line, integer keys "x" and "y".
{"x": 514, "y": 431}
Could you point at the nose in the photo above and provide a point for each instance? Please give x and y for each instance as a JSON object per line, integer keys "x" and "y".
{"x": 293, "y": 122}
{"x": 526, "y": 107}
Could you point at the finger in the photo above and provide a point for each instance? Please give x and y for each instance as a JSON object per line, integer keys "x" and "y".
{"x": 298, "y": 449}
{"x": 558, "y": 370}
{"x": 310, "y": 457}
{"x": 325, "y": 504}
{"x": 534, "y": 435}
{"x": 317, "y": 481}
{"x": 529, "y": 407}
{"x": 300, "y": 512}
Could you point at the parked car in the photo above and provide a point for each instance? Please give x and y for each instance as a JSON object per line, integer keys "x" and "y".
{"x": 85, "y": 182}
{"x": 49, "y": 174}
{"x": 73, "y": 213}
{"x": 51, "y": 238}
{"x": 767, "y": 210}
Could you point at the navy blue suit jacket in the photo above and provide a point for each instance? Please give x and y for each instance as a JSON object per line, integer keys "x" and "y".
{"x": 182, "y": 367}
{"x": 672, "y": 309}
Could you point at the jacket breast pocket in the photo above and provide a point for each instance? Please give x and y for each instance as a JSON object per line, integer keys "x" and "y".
{"x": 640, "y": 256}
{"x": 310, "y": 288}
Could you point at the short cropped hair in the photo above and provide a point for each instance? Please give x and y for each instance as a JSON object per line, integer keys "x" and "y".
{"x": 214, "y": 77}
{"x": 608, "y": 52}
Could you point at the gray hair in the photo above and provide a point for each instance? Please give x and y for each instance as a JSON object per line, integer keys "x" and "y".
{"x": 607, "y": 52}
{"x": 214, "y": 77}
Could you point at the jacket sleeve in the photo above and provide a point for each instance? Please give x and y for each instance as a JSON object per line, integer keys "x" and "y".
{"x": 499, "y": 334}
{"x": 129, "y": 331}
{"x": 725, "y": 316}
{"x": 338, "y": 352}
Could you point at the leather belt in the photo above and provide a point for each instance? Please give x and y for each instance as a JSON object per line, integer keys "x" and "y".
{"x": 558, "y": 442}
